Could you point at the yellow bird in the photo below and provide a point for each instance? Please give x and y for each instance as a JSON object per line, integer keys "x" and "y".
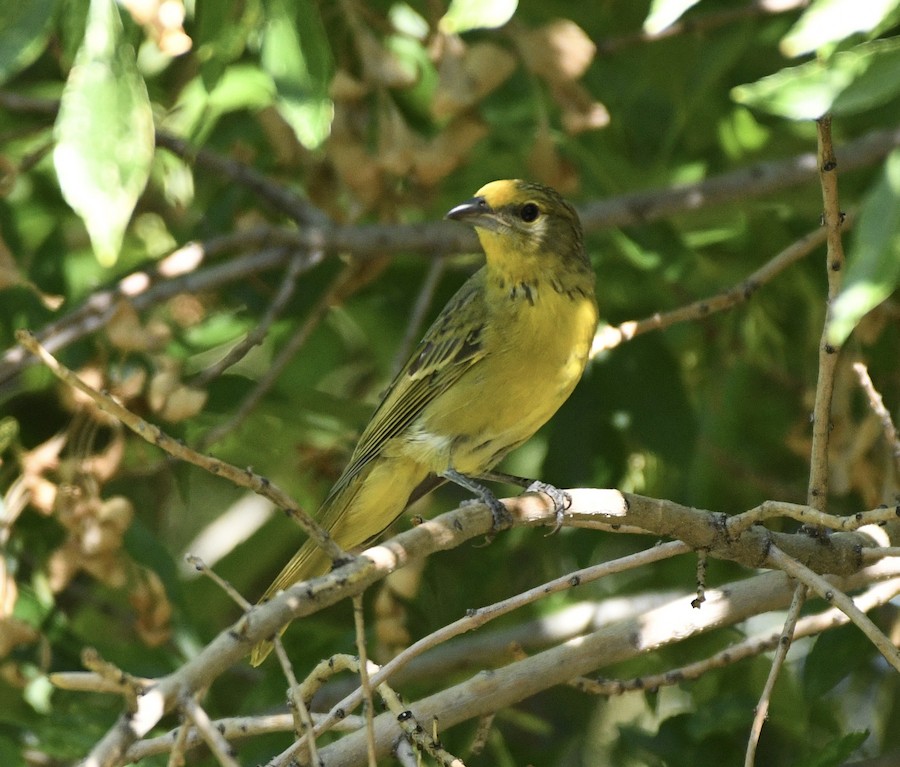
{"x": 497, "y": 363}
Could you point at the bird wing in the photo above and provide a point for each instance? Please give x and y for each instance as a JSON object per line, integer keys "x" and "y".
{"x": 452, "y": 344}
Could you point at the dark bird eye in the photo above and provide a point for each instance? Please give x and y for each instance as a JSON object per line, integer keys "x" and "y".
{"x": 529, "y": 212}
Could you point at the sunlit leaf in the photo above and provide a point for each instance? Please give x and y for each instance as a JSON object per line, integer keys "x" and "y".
{"x": 104, "y": 132}
{"x": 297, "y": 55}
{"x": 465, "y": 15}
{"x": 664, "y": 13}
{"x": 873, "y": 271}
{"x": 850, "y": 82}
{"x": 829, "y": 21}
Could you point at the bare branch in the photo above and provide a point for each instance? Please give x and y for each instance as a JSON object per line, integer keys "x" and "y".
{"x": 784, "y": 644}
{"x": 884, "y": 415}
{"x": 156, "y": 436}
{"x": 828, "y": 354}
{"x": 609, "y": 337}
{"x": 831, "y": 594}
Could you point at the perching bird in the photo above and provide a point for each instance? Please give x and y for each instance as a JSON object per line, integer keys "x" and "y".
{"x": 497, "y": 363}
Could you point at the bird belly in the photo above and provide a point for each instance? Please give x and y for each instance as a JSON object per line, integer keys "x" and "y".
{"x": 531, "y": 369}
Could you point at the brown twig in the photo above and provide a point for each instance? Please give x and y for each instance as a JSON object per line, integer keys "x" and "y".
{"x": 284, "y": 356}
{"x": 737, "y": 524}
{"x": 156, "y": 436}
{"x": 884, "y": 415}
{"x": 817, "y": 496}
{"x": 609, "y": 337}
{"x": 784, "y": 644}
{"x": 779, "y": 559}
{"x": 417, "y": 315}
{"x": 148, "y": 287}
{"x": 479, "y": 617}
{"x": 216, "y": 741}
{"x": 296, "y": 266}
{"x": 201, "y": 567}
{"x": 365, "y": 685}
{"x": 299, "y": 209}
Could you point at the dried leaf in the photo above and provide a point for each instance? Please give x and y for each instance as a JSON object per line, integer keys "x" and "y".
{"x": 345, "y": 87}
{"x": 549, "y": 167}
{"x": 172, "y": 400}
{"x": 154, "y": 611}
{"x": 440, "y": 157}
{"x": 396, "y": 142}
{"x": 580, "y": 111}
{"x": 468, "y": 74}
{"x": 126, "y": 332}
{"x": 381, "y": 66}
{"x": 358, "y": 171}
{"x": 557, "y": 52}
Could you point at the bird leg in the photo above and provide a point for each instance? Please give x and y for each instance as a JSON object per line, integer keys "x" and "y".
{"x": 500, "y": 516}
{"x": 562, "y": 501}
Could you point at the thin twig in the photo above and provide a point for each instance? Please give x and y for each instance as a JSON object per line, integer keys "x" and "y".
{"x": 359, "y": 626}
{"x": 201, "y": 567}
{"x": 216, "y": 741}
{"x": 284, "y": 356}
{"x": 149, "y": 287}
{"x": 817, "y": 495}
{"x": 303, "y": 722}
{"x": 180, "y": 743}
{"x": 156, "y": 436}
{"x": 232, "y": 728}
{"x": 296, "y": 267}
{"x": 833, "y": 595}
{"x": 784, "y": 644}
{"x": 279, "y": 196}
{"x": 417, "y": 315}
{"x": 884, "y": 415}
{"x": 739, "y": 523}
{"x": 476, "y": 618}
{"x": 609, "y": 337}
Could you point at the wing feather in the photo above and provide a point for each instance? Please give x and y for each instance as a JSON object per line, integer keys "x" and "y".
{"x": 449, "y": 348}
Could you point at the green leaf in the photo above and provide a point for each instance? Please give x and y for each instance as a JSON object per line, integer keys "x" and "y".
{"x": 300, "y": 63}
{"x": 850, "y": 82}
{"x": 835, "y": 655}
{"x": 664, "y": 13}
{"x": 24, "y": 29}
{"x": 873, "y": 270}
{"x": 9, "y": 432}
{"x": 836, "y": 752}
{"x": 465, "y": 15}
{"x": 830, "y": 21}
{"x": 104, "y": 132}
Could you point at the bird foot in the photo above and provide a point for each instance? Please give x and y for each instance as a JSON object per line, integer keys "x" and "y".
{"x": 562, "y": 501}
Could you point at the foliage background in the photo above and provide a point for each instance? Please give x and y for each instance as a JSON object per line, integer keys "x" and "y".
{"x": 391, "y": 113}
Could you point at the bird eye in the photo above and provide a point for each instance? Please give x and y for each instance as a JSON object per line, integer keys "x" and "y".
{"x": 529, "y": 212}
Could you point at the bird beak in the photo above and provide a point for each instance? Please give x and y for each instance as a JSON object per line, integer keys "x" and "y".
{"x": 476, "y": 212}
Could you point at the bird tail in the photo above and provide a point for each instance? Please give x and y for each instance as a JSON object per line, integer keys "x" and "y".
{"x": 309, "y": 562}
{"x": 358, "y": 510}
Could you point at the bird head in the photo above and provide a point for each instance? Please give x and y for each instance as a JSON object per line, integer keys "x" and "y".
{"x": 519, "y": 222}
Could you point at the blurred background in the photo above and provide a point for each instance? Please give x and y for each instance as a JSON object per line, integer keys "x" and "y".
{"x": 166, "y": 172}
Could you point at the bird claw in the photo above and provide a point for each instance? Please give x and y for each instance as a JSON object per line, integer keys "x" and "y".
{"x": 562, "y": 501}
{"x": 500, "y": 518}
